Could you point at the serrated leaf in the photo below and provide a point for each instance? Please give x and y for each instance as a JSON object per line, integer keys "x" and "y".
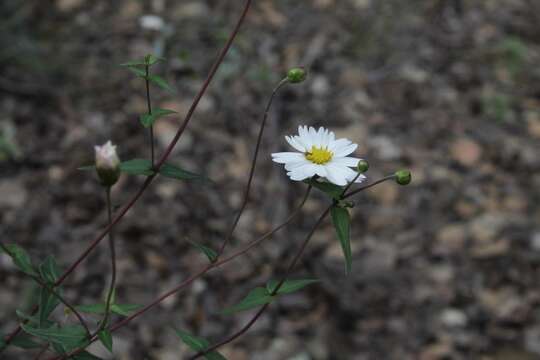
{"x": 137, "y": 167}
{"x": 21, "y": 259}
{"x": 196, "y": 343}
{"x": 211, "y": 254}
{"x": 25, "y": 341}
{"x": 333, "y": 190}
{"x": 159, "y": 81}
{"x": 148, "y": 120}
{"x": 175, "y": 172}
{"x": 256, "y": 297}
{"x": 87, "y": 168}
{"x": 125, "y": 309}
{"x": 342, "y": 223}
{"x": 289, "y": 286}
{"x": 68, "y": 337}
{"x": 106, "y": 339}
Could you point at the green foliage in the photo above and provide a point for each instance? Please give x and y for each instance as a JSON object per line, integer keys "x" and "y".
{"x": 210, "y": 253}
{"x": 289, "y": 286}
{"x": 497, "y": 106}
{"x": 137, "y": 167}
{"x": 514, "y": 52}
{"x": 106, "y": 339}
{"x": 148, "y": 120}
{"x": 68, "y": 337}
{"x": 25, "y": 341}
{"x": 256, "y": 297}
{"x": 175, "y": 172}
{"x": 20, "y": 258}
{"x": 332, "y": 190}
{"x": 159, "y": 81}
{"x": 49, "y": 270}
{"x": 47, "y": 303}
{"x": 196, "y": 343}
{"x": 342, "y": 223}
{"x": 118, "y": 309}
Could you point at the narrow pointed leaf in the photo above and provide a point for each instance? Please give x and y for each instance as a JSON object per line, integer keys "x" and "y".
{"x": 25, "y": 341}
{"x": 148, "y": 120}
{"x": 125, "y": 309}
{"x": 159, "y": 81}
{"x": 49, "y": 270}
{"x": 106, "y": 339}
{"x": 47, "y": 303}
{"x": 175, "y": 172}
{"x": 91, "y": 309}
{"x": 211, "y": 254}
{"x": 133, "y": 63}
{"x": 289, "y": 286}
{"x": 197, "y": 344}
{"x": 69, "y": 336}
{"x": 21, "y": 259}
{"x": 151, "y": 59}
{"x": 137, "y": 71}
{"x": 256, "y": 297}
{"x": 342, "y": 224}
{"x": 137, "y": 167}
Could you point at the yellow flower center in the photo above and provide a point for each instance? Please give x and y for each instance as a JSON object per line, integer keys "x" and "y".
{"x": 319, "y": 155}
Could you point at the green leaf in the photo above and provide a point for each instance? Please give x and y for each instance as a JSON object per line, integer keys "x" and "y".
{"x": 87, "y": 168}
{"x": 342, "y": 224}
{"x": 106, "y": 339}
{"x": 174, "y": 172}
{"x": 151, "y": 59}
{"x": 49, "y": 270}
{"x": 85, "y": 355}
{"x": 25, "y": 341}
{"x": 21, "y": 259}
{"x": 119, "y": 309}
{"x": 159, "y": 81}
{"x": 47, "y": 303}
{"x": 125, "y": 309}
{"x": 196, "y": 343}
{"x": 210, "y": 253}
{"x": 91, "y": 309}
{"x": 139, "y": 72}
{"x": 289, "y": 286}
{"x": 133, "y": 63}
{"x": 148, "y": 120}
{"x": 256, "y": 297}
{"x": 137, "y": 167}
{"x": 68, "y": 336}
{"x": 333, "y": 190}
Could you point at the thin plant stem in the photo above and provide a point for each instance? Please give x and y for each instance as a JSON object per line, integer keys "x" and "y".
{"x": 245, "y": 196}
{"x": 197, "y": 275}
{"x": 149, "y": 105}
{"x": 293, "y": 263}
{"x": 164, "y": 157}
{"x": 365, "y": 187}
{"x": 60, "y": 298}
{"x": 112, "y": 250}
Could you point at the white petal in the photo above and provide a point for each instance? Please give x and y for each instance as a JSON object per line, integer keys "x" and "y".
{"x": 337, "y": 144}
{"x": 336, "y": 174}
{"x": 303, "y": 172}
{"x": 345, "y": 161}
{"x": 345, "y": 150}
{"x": 295, "y": 144}
{"x": 286, "y": 157}
{"x": 304, "y": 138}
{"x": 314, "y": 137}
{"x": 293, "y": 165}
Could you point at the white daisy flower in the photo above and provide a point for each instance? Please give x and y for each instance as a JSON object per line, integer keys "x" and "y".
{"x": 319, "y": 154}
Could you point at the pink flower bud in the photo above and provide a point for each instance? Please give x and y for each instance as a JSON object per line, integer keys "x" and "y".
{"x": 107, "y": 163}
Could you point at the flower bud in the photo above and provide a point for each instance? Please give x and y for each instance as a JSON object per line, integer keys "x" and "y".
{"x": 107, "y": 164}
{"x": 403, "y": 177}
{"x": 362, "y": 166}
{"x": 296, "y": 75}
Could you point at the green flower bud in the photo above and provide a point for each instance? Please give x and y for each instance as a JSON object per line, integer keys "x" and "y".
{"x": 362, "y": 166}
{"x": 296, "y": 75}
{"x": 107, "y": 164}
{"x": 403, "y": 177}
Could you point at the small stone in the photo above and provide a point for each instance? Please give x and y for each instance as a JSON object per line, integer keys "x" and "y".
{"x": 451, "y": 239}
{"x": 466, "y": 152}
{"x": 14, "y": 195}
{"x": 385, "y": 148}
{"x": 489, "y": 250}
{"x": 453, "y": 318}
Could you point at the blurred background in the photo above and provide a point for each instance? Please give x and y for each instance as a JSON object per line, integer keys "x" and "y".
{"x": 447, "y": 268}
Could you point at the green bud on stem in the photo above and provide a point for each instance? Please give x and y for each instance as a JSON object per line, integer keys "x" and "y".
{"x": 362, "y": 166}
{"x": 296, "y": 75}
{"x": 107, "y": 164}
{"x": 403, "y": 177}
